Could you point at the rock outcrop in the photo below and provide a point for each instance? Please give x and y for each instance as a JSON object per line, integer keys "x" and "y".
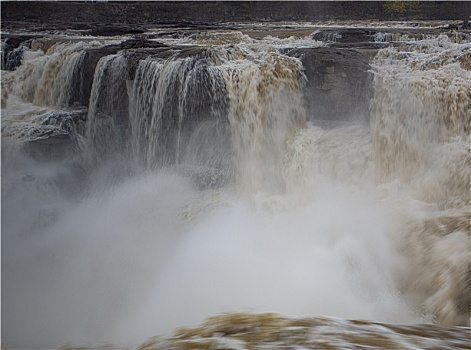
{"x": 339, "y": 83}
{"x": 12, "y": 50}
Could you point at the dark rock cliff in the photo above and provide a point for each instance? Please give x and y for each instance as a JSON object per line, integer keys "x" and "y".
{"x": 339, "y": 85}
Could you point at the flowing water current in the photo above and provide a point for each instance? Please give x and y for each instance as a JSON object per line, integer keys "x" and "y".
{"x": 194, "y": 182}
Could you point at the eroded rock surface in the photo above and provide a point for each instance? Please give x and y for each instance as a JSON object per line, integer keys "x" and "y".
{"x": 339, "y": 83}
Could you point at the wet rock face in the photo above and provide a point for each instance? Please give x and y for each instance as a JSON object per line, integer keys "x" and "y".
{"x": 115, "y": 30}
{"x": 339, "y": 84}
{"x": 85, "y": 73}
{"x": 55, "y": 137}
{"x": 12, "y": 51}
{"x": 345, "y": 35}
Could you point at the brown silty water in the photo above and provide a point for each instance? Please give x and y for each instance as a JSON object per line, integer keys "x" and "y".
{"x": 199, "y": 185}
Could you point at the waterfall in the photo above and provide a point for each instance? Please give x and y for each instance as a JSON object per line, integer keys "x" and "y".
{"x": 170, "y": 97}
{"x": 421, "y": 135}
{"x": 47, "y": 78}
{"x": 198, "y": 179}
{"x": 266, "y": 109}
{"x": 258, "y": 94}
{"x": 108, "y": 122}
{"x": 422, "y": 98}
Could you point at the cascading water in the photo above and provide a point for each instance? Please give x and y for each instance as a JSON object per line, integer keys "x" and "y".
{"x": 200, "y": 185}
{"x": 421, "y": 134}
{"x": 266, "y": 108}
{"x": 46, "y": 78}
{"x": 108, "y": 112}
{"x": 168, "y": 98}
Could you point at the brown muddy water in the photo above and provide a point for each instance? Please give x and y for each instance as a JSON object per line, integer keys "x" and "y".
{"x": 305, "y": 191}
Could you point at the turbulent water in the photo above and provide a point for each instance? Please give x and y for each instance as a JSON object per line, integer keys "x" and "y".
{"x": 196, "y": 183}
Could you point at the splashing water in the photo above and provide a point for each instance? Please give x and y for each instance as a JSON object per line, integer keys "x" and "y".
{"x": 225, "y": 199}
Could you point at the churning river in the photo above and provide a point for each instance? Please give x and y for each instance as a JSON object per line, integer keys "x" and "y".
{"x": 199, "y": 174}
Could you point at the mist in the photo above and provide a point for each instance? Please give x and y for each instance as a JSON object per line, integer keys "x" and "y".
{"x": 150, "y": 252}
